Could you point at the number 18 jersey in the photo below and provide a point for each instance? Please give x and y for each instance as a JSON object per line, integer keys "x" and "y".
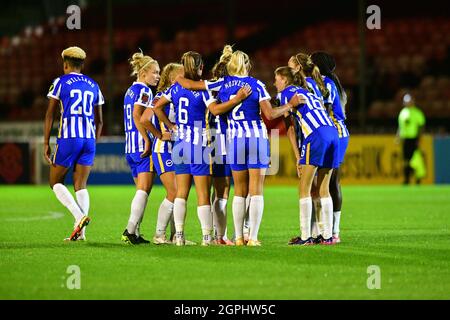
{"x": 312, "y": 114}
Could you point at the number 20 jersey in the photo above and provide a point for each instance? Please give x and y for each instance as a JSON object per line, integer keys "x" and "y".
{"x": 77, "y": 94}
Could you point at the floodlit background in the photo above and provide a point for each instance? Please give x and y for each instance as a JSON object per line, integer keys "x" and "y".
{"x": 376, "y": 67}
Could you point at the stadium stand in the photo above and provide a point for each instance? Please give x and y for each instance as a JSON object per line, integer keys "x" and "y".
{"x": 28, "y": 60}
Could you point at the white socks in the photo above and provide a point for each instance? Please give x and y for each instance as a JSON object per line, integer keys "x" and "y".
{"x": 206, "y": 221}
{"x": 316, "y": 225}
{"x": 255, "y": 214}
{"x": 179, "y": 215}
{"x": 336, "y": 222}
{"x": 219, "y": 209}
{"x": 164, "y": 215}
{"x": 137, "y": 210}
{"x": 238, "y": 216}
{"x": 327, "y": 217}
{"x": 83, "y": 202}
{"x": 65, "y": 197}
{"x": 305, "y": 217}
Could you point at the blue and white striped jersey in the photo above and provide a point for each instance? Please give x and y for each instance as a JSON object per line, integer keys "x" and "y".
{"x": 138, "y": 94}
{"x": 219, "y": 127}
{"x": 336, "y": 111}
{"x": 313, "y": 85}
{"x": 310, "y": 115}
{"x": 160, "y": 146}
{"x": 245, "y": 118}
{"x": 77, "y": 94}
{"x": 190, "y": 113}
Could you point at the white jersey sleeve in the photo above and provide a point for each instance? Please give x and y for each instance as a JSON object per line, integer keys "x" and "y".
{"x": 55, "y": 89}
{"x": 214, "y": 85}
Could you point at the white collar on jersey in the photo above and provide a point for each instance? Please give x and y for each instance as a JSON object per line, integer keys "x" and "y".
{"x": 78, "y": 74}
{"x": 138, "y": 82}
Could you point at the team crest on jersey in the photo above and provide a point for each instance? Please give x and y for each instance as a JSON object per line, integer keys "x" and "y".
{"x": 169, "y": 163}
{"x": 145, "y": 97}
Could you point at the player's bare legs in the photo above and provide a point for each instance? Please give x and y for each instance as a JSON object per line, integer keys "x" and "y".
{"x": 80, "y": 177}
{"x": 219, "y": 208}
{"x": 323, "y": 182}
{"x": 241, "y": 187}
{"x": 57, "y": 174}
{"x": 183, "y": 182}
{"x": 203, "y": 187}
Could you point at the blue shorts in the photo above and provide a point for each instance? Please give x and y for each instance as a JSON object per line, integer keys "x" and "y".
{"x": 343, "y": 144}
{"x": 220, "y": 167}
{"x": 138, "y": 164}
{"x": 321, "y": 148}
{"x": 191, "y": 159}
{"x": 162, "y": 162}
{"x": 74, "y": 151}
{"x": 248, "y": 153}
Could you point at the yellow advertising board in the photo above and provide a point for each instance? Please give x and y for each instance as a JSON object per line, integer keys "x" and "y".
{"x": 370, "y": 159}
{"x": 377, "y": 159}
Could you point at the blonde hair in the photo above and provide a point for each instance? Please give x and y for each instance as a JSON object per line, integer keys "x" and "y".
{"x": 139, "y": 62}
{"x": 73, "y": 53}
{"x": 239, "y": 64}
{"x": 308, "y": 68}
{"x": 220, "y": 68}
{"x": 74, "y": 56}
{"x": 192, "y": 62}
{"x": 168, "y": 75}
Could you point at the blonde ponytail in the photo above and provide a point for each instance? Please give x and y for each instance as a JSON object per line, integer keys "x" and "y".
{"x": 220, "y": 68}
{"x": 319, "y": 80}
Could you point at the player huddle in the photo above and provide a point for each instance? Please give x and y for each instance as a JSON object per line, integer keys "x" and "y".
{"x": 208, "y": 132}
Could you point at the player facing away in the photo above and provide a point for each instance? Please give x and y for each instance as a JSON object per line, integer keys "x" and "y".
{"x": 191, "y": 153}
{"x": 335, "y": 104}
{"x": 221, "y": 168}
{"x": 319, "y": 152}
{"x": 137, "y": 142}
{"x": 248, "y": 146}
{"x": 221, "y": 171}
{"x": 161, "y": 155}
{"x": 303, "y": 64}
{"x": 80, "y": 100}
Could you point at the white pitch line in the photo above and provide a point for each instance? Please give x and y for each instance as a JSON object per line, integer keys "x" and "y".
{"x": 52, "y": 215}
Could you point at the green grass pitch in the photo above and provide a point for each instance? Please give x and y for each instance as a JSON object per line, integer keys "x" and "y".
{"x": 403, "y": 230}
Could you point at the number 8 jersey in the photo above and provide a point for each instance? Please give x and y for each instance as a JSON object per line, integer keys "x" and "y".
{"x": 78, "y": 94}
